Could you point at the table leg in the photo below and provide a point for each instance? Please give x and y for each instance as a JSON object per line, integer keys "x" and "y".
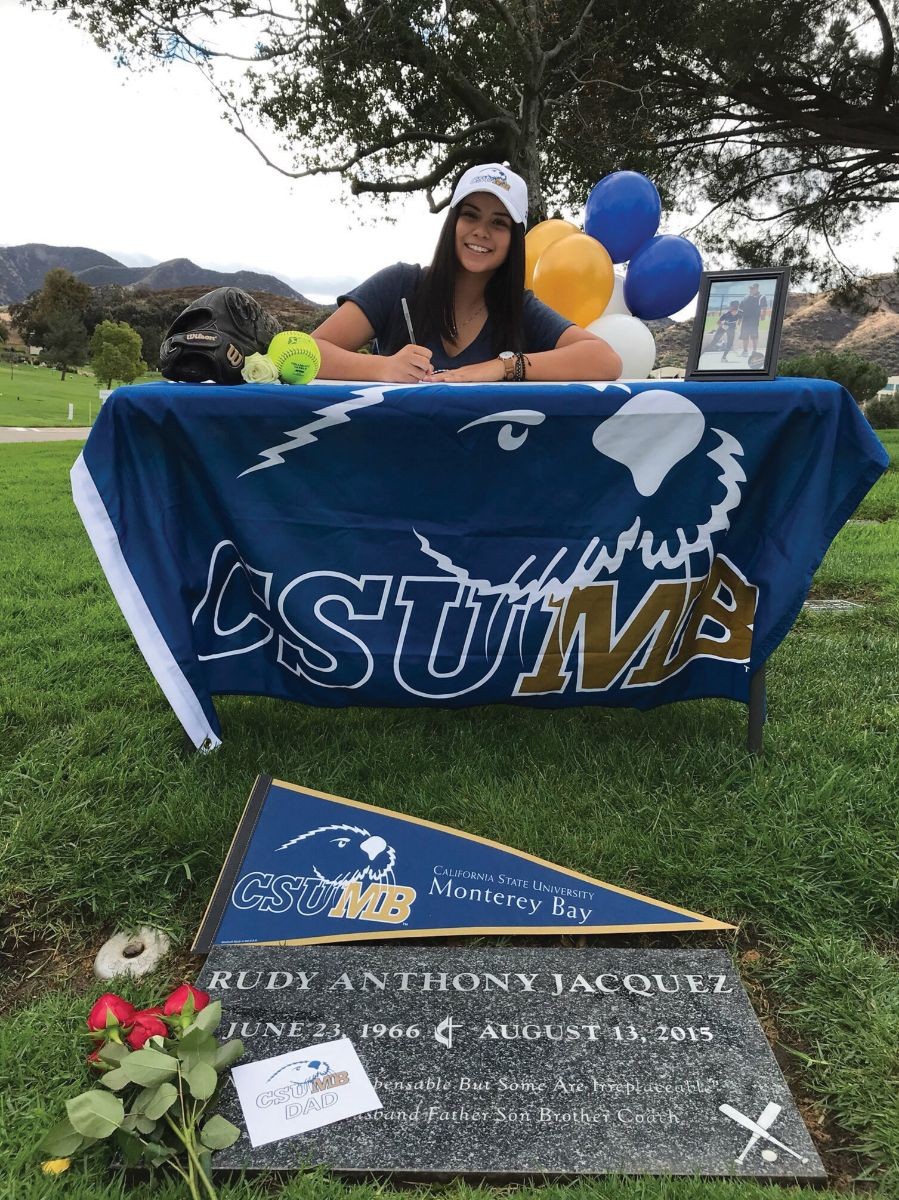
{"x": 756, "y": 711}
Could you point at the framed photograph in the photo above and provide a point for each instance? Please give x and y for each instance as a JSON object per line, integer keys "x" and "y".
{"x": 738, "y": 323}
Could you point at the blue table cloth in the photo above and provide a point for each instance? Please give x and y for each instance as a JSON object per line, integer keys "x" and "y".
{"x": 457, "y": 544}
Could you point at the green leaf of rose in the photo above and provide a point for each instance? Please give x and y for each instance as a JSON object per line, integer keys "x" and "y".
{"x": 155, "y": 1152}
{"x": 115, "y": 1079}
{"x": 114, "y": 1052}
{"x": 227, "y": 1054}
{"x": 160, "y": 1101}
{"x": 61, "y": 1141}
{"x": 195, "y": 1047}
{"x": 130, "y": 1146}
{"x": 218, "y": 1133}
{"x": 202, "y": 1081}
{"x": 209, "y": 1017}
{"x": 95, "y": 1114}
{"x": 149, "y": 1066}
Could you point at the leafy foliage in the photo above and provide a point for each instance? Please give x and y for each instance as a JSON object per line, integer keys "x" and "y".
{"x": 61, "y": 294}
{"x": 115, "y": 353}
{"x": 857, "y": 375}
{"x": 781, "y": 118}
{"x": 883, "y": 411}
{"x": 65, "y": 341}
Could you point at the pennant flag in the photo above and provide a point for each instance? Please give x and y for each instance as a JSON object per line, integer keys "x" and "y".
{"x": 307, "y": 867}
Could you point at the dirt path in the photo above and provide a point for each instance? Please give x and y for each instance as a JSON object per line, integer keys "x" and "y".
{"x": 65, "y": 433}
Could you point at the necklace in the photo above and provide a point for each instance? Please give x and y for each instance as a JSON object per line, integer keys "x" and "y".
{"x": 468, "y": 320}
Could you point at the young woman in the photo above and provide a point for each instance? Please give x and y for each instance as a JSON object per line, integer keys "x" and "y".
{"x": 472, "y": 319}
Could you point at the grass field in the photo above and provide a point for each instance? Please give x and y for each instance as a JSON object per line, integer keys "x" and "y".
{"x": 37, "y": 397}
{"x": 104, "y": 821}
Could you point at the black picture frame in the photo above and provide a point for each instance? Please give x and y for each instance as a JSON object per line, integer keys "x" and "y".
{"x": 717, "y": 341}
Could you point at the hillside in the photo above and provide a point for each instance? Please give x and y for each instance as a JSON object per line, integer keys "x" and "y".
{"x": 298, "y": 313}
{"x": 22, "y": 271}
{"x": 816, "y": 321}
{"x": 22, "y": 268}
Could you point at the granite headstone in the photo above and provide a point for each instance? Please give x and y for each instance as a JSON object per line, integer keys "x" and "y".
{"x": 500, "y": 1061}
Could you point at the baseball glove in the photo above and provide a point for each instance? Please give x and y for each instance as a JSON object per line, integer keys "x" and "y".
{"x": 212, "y": 338}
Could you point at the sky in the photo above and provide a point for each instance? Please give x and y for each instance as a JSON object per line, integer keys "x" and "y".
{"x": 141, "y": 166}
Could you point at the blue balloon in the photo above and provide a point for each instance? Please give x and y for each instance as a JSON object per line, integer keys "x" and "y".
{"x": 662, "y": 277}
{"x": 623, "y": 212}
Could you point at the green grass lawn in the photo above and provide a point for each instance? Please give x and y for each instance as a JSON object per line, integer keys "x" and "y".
{"x": 105, "y": 821}
{"x": 37, "y": 397}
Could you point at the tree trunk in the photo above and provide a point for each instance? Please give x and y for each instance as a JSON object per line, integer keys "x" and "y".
{"x": 528, "y": 154}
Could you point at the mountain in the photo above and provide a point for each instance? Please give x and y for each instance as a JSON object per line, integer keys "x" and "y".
{"x": 22, "y": 271}
{"x": 22, "y": 268}
{"x": 868, "y": 325}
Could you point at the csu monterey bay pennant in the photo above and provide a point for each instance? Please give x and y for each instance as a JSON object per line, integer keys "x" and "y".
{"x": 308, "y": 867}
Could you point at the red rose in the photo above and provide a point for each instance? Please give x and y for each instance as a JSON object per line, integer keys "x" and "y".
{"x": 109, "y": 1002}
{"x": 176, "y": 1002}
{"x": 146, "y": 1025}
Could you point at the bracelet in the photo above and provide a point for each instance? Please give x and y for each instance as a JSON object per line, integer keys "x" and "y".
{"x": 519, "y": 367}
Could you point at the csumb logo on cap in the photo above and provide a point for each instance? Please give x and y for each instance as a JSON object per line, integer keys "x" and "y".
{"x": 343, "y": 869}
{"x": 497, "y": 178}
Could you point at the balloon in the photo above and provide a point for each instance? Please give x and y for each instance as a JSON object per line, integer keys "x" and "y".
{"x": 538, "y": 238}
{"x": 662, "y": 277}
{"x": 631, "y": 340}
{"x": 574, "y": 276}
{"x": 623, "y": 212}
{"x": 616, "y": 304}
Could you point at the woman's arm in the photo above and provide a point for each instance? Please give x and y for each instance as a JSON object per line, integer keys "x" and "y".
{"x": 339, "y": 338}
{"x": 577, "y": 355}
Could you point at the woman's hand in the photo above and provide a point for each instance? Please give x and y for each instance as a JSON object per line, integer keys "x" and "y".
{"x": 491, "y": 371}
{"x": 412, "y": 364}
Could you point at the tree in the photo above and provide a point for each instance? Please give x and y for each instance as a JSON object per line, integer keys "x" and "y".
{"x": 857, "y": 375}
{"x": 395, "y": 96}
{"x": 65, "y": 341}
{"x": 783, "y": 118}
{"x": 115, "y": 353}
{"x": 61, "y": 293}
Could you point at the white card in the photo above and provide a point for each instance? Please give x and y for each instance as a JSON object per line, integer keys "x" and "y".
{"x": 305, "y": 1089}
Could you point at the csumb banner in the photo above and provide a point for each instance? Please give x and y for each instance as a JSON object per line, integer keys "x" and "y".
{"x": 307, "y": 867}
{"x": 615, "y": 544}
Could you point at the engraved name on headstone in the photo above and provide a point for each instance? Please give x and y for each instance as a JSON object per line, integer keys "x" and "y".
{"x": 518, "y": 1061}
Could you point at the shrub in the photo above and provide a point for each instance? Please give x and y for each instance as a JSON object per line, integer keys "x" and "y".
{"x": 883, "y": 411}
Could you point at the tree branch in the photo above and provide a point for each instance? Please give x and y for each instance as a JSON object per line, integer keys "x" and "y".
{"x": 888, "y": 54}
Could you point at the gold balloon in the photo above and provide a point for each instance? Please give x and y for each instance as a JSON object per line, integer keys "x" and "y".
{"x": 537, "y": 239}
{"x": 575, "y": 277}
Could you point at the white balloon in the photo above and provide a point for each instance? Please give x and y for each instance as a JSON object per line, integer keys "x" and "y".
{"x": 630, "y": 339}
{"x": 616, "y": 303}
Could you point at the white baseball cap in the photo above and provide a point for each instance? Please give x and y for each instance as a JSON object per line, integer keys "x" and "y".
{"x": 499, "y": 181}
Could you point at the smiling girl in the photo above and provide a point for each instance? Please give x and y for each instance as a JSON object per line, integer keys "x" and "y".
{"x": 472, "y": 318}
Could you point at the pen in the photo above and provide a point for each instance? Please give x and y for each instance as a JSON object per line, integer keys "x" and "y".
{"x": 405, "y": 308}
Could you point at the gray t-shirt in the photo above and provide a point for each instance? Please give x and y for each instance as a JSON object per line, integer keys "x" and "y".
{"x": 379, "y": 298}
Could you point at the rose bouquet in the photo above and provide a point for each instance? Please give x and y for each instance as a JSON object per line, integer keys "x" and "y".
{"x": 158, "y": 1070}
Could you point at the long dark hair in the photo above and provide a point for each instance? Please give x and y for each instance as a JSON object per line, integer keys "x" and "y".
{"x": 434, "y": 299}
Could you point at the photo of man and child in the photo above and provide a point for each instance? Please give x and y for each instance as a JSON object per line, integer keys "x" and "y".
{"x": 737, "y": 325}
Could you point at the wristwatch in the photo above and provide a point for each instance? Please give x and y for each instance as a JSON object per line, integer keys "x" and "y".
{"x": 507, "y": 358}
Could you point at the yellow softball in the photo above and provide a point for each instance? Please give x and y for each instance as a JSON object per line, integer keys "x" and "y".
{"x": 295, "y": 355}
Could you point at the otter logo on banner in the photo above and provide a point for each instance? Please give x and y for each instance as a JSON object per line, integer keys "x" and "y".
{"x": 351, "y": 871}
